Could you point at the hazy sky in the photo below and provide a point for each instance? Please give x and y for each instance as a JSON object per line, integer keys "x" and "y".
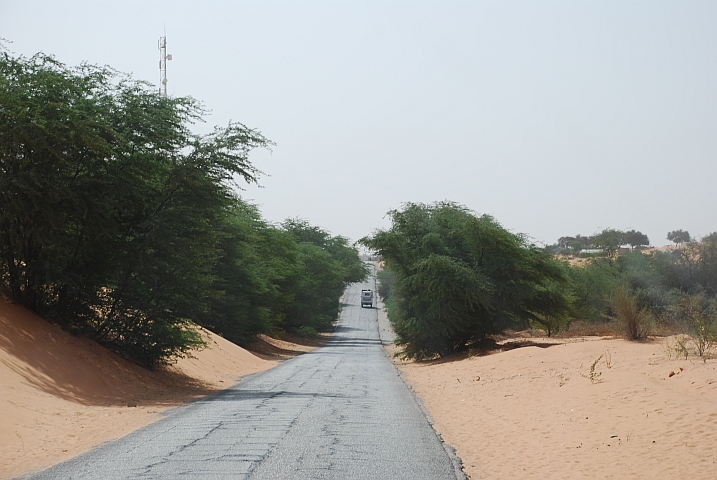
{"x": 557, "y": 118}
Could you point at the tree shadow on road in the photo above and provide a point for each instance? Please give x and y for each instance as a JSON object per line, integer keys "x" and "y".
{"x": 284, "y": 345}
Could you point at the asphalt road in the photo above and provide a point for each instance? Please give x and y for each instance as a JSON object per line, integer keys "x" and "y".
{"x": 340, "y": 412}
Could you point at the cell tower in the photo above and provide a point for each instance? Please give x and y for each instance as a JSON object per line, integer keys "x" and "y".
{"x": 163, "y": 57}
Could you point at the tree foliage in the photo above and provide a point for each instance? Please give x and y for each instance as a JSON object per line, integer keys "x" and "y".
{"x": 608, "y": 241}
{"x": 460, "y": 277}
{"x": 679, "y": 237}
{"x": 639, "y": 286}
{"x": 120, "y": 224}
{"x": 325, "y": 266}
{"x": 636, "y": 239}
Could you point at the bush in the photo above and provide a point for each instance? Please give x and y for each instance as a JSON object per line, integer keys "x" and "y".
{"x": 700, "y": 319}
{"x": 635, "y": 322}
{"x": 591, "y": 285}
{"x": 308, "y": 331}
{"x": 386, "y": 279}
{"x": 460, "y": 278}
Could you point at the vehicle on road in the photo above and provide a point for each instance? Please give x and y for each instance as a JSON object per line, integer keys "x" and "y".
{"x": 366, "y": 298}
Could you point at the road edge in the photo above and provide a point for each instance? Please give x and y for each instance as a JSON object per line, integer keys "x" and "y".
{"x": 387, "y": 336}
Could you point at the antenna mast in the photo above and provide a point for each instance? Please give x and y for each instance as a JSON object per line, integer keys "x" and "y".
{"x": 163, "y": 57}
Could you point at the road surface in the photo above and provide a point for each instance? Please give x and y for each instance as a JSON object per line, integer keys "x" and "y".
{"x": 339, "y": 412}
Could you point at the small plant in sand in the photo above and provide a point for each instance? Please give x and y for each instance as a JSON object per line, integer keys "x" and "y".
{"x": 700, "y": 319}
{"x": 703, "y": 330}
{"x": 608, "y": 359}
{"x": 678, "y": 347}
{"x": 704, "y": 341}
{"x": 594, "y": 375}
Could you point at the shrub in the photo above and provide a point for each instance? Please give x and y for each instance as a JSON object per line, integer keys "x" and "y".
{"x": 386, "y": 279}
{"x": 308, "y": 331}
{"x": 636, "y": 322}
{"x": 699, "y": 318}
{"x": 460, "y": 278}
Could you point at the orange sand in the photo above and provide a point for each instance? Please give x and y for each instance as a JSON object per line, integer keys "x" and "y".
{"x": 61, "y": 395}
{"x": 530, "y": 413}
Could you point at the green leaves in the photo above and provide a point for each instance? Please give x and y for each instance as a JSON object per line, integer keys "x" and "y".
{"x": 460, "y": 277}
{"x": 325, "y": 266}
{"x": 112, "y": 211}
{"x": 120, "y": 224}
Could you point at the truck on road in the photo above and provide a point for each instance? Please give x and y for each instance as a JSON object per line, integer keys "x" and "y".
{"x": 366, "y": 298}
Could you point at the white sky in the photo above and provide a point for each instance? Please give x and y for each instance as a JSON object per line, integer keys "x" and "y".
{"x": 557, "y": 118}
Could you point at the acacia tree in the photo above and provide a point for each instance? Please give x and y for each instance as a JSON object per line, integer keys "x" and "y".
{"x": 609, "y": 241}
{"x": 247, "y": 290}
{"x": 710, "y": 238}
{"x": 460, "y": 278}
{"x": 110, "y": 206}
{"x": 636, "y": 239}
{"x": 574, "y": 244}
{"x": 325, "y": 265}
{"x": 679, "y": 237}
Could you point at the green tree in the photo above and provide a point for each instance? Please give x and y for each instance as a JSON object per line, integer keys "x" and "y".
{"x": 111, "y": 207}
{"x": 386, "y": 278}
{"x": 460, "y": 277}
{"x": 337, "y": 246}
{"x": 246, "y": 291}
{"x": 573, "y": 245}
{"x": 636, "y": 239}
{"x": 609, "y": 241}
{"x": 679, "y": 237}
{"x": 591, "y": 286}
{"x": 325, "y": 265}
{"x": 558, "y": 319}
{"x": 711, "y": 238}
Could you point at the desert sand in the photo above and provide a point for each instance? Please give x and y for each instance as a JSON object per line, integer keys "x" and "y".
{"x": 532, "y": 411}
{"x": 524, "y": 410}
{"x": 61, "y": 395}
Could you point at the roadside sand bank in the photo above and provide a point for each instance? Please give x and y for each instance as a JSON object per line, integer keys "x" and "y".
{"x": 61, "y": 395}
{"x": 530, "y": 412}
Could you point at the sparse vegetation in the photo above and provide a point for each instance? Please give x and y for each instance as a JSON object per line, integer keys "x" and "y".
{"x": 636, "y": 321}
{"x": 593, "y": 374}
{"x": 607, "y": 242}
{"x": 644, "y": 291}
{"x": 608, "y": 359}
{"x": 678, "y": 347}
{"x": 432, "y": 253}
{"x": 699, "y": 316}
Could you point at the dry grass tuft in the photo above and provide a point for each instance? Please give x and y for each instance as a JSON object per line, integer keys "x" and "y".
{"x": 635, "y": 322}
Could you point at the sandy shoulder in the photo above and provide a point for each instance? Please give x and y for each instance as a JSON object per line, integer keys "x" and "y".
{"x": 61, "y": 395}
{"x": 530, "y": 412}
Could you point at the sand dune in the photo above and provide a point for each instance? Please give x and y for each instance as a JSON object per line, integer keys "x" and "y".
{"x": 61, "y": 395}
{"x": 531, "y": 412}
